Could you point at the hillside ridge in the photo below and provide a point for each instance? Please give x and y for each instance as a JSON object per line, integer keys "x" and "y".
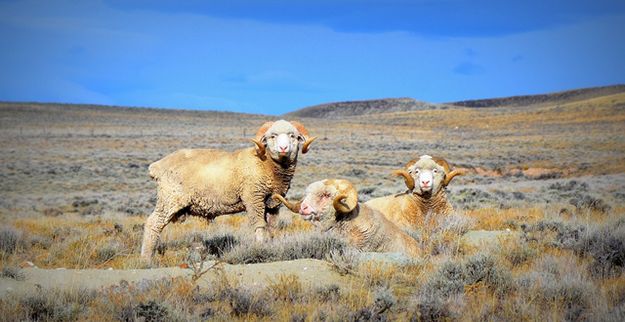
{"x": 555, "y": 97}
{"x": 364, "y": 107}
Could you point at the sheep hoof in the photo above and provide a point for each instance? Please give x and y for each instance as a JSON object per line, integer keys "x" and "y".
{"x": 263, "y": 235}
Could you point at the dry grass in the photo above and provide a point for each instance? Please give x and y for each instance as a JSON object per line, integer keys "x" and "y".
{"x": 74, "y": 193}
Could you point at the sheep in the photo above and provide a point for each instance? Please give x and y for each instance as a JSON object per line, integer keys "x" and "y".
{"x": 408, "y": 210}
{"x": 210, "y": 183}
{"x": 332, "y": 205}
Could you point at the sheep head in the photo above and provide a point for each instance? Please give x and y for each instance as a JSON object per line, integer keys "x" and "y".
{"x": 281, "y": 140}
{"x": 325, "y": 201}
{"x": 427, "y": 175}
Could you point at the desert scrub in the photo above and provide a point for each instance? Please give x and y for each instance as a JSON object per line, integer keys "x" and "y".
{"x": 289, "y": 247}
{"x": 587, "y": 202}
{"x": 286, "y": 288}
{"x": 343, "y": 261}
{"x": 219, "y": 244}
{"x": 12, "y": 272}
{"x": 453, "y": 276}
{"x": 48, "y": 305}
{"x": 559, "y": 284}
{"x": 604, "y": 243}
{"x": 517, "y": 252}
{"x": 606, "y": 246}
{"x": 150, "y": 311}
{"x": 472, "y": 198}
{"x": 445, "y": 292}
{"x": 9, "y": 240}
{"x": 554, "y": 232}
{"x": 443, "y": 233}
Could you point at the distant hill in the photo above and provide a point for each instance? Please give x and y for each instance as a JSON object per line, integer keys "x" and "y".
{"x": 557, "y": 97}
{"x": 353, "y": 108}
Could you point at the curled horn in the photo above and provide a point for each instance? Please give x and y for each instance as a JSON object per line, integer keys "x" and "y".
{"x": 302, "y": 130}
{"x": 260, "y": 148}
{"x": 346, "y": 201}
{"x": 408, "y": 179}
{"x": 449, "y": 175}
{"x": 258, "y": 139}
{"x": 292, "y": 207}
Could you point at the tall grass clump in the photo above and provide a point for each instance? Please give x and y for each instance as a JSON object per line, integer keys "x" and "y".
{"x": 9, "y": 240}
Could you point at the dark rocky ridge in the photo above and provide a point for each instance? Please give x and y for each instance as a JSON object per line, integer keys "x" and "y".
{"x": 353, "y": 108}
{"x": 557, "y": 97}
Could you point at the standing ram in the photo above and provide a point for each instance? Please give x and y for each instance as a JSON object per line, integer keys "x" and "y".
{"x": 210, "y": 183}
{"x": 426, "y": 180}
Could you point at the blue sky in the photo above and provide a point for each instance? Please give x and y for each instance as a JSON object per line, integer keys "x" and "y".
{"x": 276, "y": 56}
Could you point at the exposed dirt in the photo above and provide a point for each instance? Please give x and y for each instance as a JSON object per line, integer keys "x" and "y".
{"x": 310, "y": 272}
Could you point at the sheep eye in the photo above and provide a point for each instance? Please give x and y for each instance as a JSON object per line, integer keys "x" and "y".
{"x": 292, "y": 136}
{"x": 435, "y": 171}
{"x": 273, "y": 136}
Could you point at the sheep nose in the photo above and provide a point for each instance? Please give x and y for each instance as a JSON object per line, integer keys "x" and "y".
{"x": 304, "y": 209}
{"x": 283, "y": 148}
{"x": 425, "y": 182}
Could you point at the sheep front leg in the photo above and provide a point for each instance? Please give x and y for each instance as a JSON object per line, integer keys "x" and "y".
{"x": 255, "y": 208}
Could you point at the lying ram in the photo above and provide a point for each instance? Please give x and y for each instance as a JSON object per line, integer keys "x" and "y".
{"x": 332, "y": 205}
{"x": 426, "y": 180}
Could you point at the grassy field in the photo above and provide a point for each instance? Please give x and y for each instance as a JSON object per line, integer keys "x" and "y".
{"x": 74, "y": 194}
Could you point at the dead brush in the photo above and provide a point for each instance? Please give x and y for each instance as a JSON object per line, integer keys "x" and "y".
{"x": 344, "y": 262}
{"x": 375, "y": 275}
{"x": 197, "y": 260}
{"x": 286, "y": 288}
{"x": 441, "y": 234}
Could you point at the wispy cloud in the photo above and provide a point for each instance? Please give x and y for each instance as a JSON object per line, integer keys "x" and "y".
{"x": 468, "y": 68}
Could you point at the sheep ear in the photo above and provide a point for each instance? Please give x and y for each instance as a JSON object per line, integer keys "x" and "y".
{"x": 408, "y": 179}
{"x": 451, "y": 175}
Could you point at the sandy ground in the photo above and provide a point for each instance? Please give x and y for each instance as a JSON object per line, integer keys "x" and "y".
{"x": 311, "y": 272}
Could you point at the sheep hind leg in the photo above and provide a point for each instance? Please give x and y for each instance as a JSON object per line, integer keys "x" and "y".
{"x": 153, "y": 227}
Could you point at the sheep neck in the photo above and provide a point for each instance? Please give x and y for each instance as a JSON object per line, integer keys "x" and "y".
{"x": 436, "y": 203}
{"x": 282, "y": 172}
